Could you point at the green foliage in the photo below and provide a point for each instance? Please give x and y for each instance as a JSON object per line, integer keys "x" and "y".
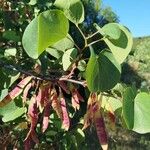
{"x": 102, "y": 69}
{"x": 73, "y": 9}
{"x": 141, "y": 113}
{"x": 12, "y": 111}
{"x": 121, "y": 43}
{"x": 68, "y": 58}
{"x": 128, "y": 107}
{"x": 68, "y": 69}
{"x": 140, "y": 64}
{"x": 45, "y": 30}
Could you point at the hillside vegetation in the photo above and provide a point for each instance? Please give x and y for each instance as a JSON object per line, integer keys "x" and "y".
{"x": 137, "y": 69}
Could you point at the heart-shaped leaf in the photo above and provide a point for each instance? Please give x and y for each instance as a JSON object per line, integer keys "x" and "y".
{"x": 112, "y": 30}
{"x": 73, "y": 9}
{"x": 142, "y": 113}
{"x": 43, "y": 31}
{"x": 102, "y": 72}
{"x": 119, "y": 41}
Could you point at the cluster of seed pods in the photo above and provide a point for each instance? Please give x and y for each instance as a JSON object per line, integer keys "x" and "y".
{"x": 45, "y": 98}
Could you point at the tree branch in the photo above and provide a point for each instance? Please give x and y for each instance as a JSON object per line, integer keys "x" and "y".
{"x": 51, "y": 78}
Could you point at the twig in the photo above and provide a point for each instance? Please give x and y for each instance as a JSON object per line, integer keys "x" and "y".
{"x": 83, "y": 83}
{"x": 92, "y": 35}
{"x": 94, "y": 42}
{"x": 85, "y": 40}
{"x": 51, "y": 78}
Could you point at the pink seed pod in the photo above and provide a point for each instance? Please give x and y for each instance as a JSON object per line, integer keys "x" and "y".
{"x": 101, "y": 130}
{"x": 45, "y": 122}
{"x": 65, "y": 116}
{"x": 64, "y": 86}
{"x": 56, "y": 105}
{"x": 15, "y": 92}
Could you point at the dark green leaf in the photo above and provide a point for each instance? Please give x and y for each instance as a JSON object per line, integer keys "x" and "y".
{"x": 128, "y": 107}
{"x": 11, "y": 35}
{"x": 102, "y": 72}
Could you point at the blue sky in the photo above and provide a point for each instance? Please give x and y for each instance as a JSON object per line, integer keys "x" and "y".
{"x": 135, "y": 14}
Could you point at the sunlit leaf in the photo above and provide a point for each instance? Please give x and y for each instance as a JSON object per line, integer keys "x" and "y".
{"x": 44, "y": 31}
{"x": 68, "y": 58}
{"x": 142, "y": 113}
{"x": 119, "y": 40}
{"x": 14, "y": 114}
{"x": 73, "y": 9}
{"x": 75, "y": 12}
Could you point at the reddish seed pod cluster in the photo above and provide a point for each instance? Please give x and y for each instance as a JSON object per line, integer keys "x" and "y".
{"x": 93, "y": 115}
{"x": 44, "y": 98}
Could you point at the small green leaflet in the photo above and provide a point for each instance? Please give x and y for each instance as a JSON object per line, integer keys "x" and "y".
{"x": 60, "y": 47}
{"x": 119, "y": 40}
{"x": 102, "y": 72}
{"x": 68, "y": 58}
{"x": 44, "y": 31}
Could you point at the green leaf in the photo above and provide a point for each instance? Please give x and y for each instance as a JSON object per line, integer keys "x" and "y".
{"x": 33, "y": 2}
{"x": 119, "y": 43}
{"x": 10, "y": 52}
{"x": 81, "y": 65}
{"x": 60, "y": 47}
{"x": 44, "y": 31}
{"x": 7, "y": 78}
{"x": 73, "y": 9}
{"x": 102, "y": 72}
{"x": 128, "y": 107}
{"x": 68, "y": 58}
{"x": 113, "y": 102}
{"x": 14, "y": 114}
{"x": 142, "y": 113}
{"x": 55, "y": 53}
{"x": 11, "y": 35}
{"x": 12, "y": 111}
{"x": 75, "y": 13}
{"x": 112, "y": 30}
{"x": 62, "y": 4}
{"x": 3, "y": 93}
{"x": 80, "y": 136}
